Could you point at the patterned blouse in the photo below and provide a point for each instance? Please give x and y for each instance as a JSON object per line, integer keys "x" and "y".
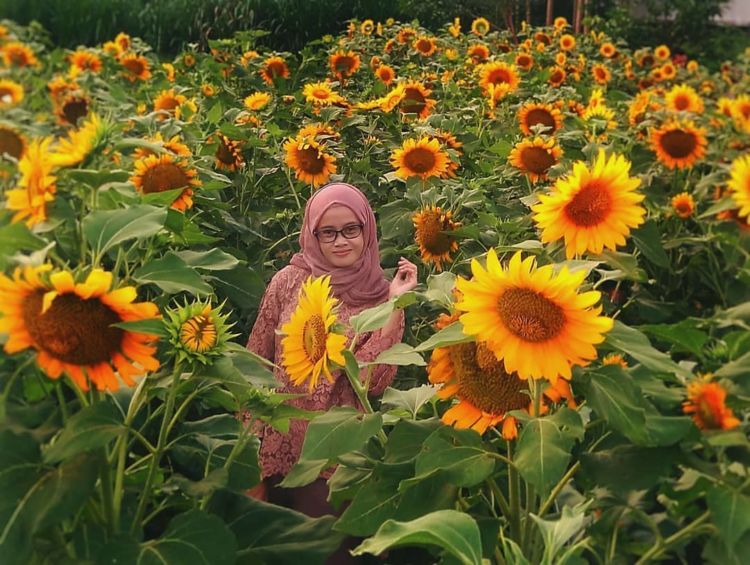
{"x": 279, "y": 451}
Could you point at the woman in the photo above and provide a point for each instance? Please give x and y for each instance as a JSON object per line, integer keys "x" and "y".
{"x": 339, "y": 239}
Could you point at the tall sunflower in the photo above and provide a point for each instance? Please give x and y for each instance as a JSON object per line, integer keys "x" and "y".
{"x": 257, "y": 101}
{"x": 533, "y": 113}
{"x": 532, "y": 318}
{"x": 423, "y": 158}
{"x": 309, "y": 160}
{"x": 534, "y": 157}
{"x": 160, "y": 173}
{"x": 425, "y": 46}
{"x": 385, "y": 74}
{"x": 17, "y": 54}
{"x": 11, "y": 142}
{"x": 478, "y": 53}
{"x": 83, "y": 60}
{"x": 10, "y": 93}
{"x": 344, "y": 64}
{"x": 557, "y": 76}
{"x": 174, "y": 145}
{"x": 524, "y": 61}
{"x": 415, "y": 99}
{"x": 321, "y": 94}
{"x": 135, "y": 67}
{"x": 169, "y": 104}
{"x": 197, "y": 332}
{"x": 432, "y": 226}
{"x": 683, "y": 205}
{"x": 36, "y": 187}
{"x": 228, "y": 154}
{"x": 309, "y": 344}
{"x": 683, "y": 98}
{"x": 501, "y": 75}
{"x": 480, "y": 26}
{"x": 591, "y": 208}
{"x": 706, "y": 401}
{"x": 273, "y": 68}
{"x": 70, "y": 325}
{"x": 678, "y": 144}
{"x": 74, "y": 148}
{"x": 739, "y": 184}
{"x": 72, "y": 108}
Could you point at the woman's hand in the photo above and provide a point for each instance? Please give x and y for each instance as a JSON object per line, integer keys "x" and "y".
{"x": 405, "y": 278}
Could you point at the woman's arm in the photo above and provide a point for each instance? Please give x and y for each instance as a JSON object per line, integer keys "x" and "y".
{"x": 262, "y": 340}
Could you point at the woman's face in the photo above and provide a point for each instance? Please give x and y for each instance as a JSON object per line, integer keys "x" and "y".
{"x": 341, "y": 252}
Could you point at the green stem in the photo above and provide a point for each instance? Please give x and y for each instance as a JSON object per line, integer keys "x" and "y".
{"x": 499, "y": 497}
{"x": 62, "y": 402}
{"x": 361, "y": 395}
{"x": 514, "y": 494}
{"x": 156, "y": 458}
{"x": 105, "y": 477}
{"x": 558, "y": 487}
{"x": 659, "y": 548}
{"x": 527, "y": 530}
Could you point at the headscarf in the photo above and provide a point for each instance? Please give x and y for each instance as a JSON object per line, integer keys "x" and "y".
{"x": 361, "y": 283}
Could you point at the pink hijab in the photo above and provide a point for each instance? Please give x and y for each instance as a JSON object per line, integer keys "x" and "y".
{"x": 361, "y": 284}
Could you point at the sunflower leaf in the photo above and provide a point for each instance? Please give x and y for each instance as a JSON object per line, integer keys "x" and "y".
{"x": 106, "y": 228}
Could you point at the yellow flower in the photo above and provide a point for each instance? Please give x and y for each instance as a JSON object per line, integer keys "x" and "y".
{"x": 683, "y": 205}
{"x": 480, "y": 26}
{"x": 10, "y": 93}
{"x": 321, "y": 94}
{"x": 74, "y": 148}
{"x": 706, "y": 401}
{"x": 344, "y": 64}
{"x": 17, "y": 54}
{"x": 534, "y": 157}
{"x": 739, "y": 184}
{"x": 308, "y": 159}
{"x": 533, "y": 113}
{"x": 423, "y": 158}
{"x": 414, "y": 99}
{"x": 11, "y": 142}
{"x": 37, "y": 185}
{"x": 533, "y": 319}
{"x": 684, "y": 98}
{"x": 309, "y": 344}
{"x": 228, "y": 154}
{"x": 499, "y": 74}
{"x": 567, "y": 42}
{"x": 135, "y": 67}
{"x": 678, "y": 144}
{"x": 273, "y": 68}
{"x": 160, "y": 173}
{"x": 432, "y": 228}
{"x": 425, "y": 46}
{"x": 257, "y": 101}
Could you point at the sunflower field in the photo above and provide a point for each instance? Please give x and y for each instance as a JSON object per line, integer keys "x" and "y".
{"x": 574, "y": 379}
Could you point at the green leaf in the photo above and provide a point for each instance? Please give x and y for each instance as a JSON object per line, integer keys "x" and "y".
{"x": 629, "y": 467}
{"x": 683, "y": 334}
{"x": 154, "y": 326}
{"x": 375, "y": 502}
{"x": 92, "y": 427}
{"x": 647, "y": 238}
{"x": 192, "y": 537}
{"x": 339, "y": 431}
{"x": 735, "y": 368}
{"x": 304, "y": 472}
{"x": 627, "y": 265}
{"x": 461, "y": 465}
{"x": 410, "y": 400}
{"x": 440, "y": 288}
{"x": 634, "y": 343}
{"x": 398, "y": 354}
{"x": 730, "y": 511}
{"x": 17, "y": 237}
{"x": 106, "y": 228}
{"x": 171, "y": 274}
{"x": 449, "y": 335}
{"x": 556, "y": 533}
{"x": 373, "y": 318}
{"x": 454, "y": 532}
{"x": 213, "y": 260}
{"x": 542, "y": 453}
{"x": 406, "y": 439}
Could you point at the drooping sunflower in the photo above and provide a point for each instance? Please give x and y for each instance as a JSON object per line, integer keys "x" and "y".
{"x": 197, "y": 332}
{"x": 257, "y": 101}
{"x": 415, "y": 99}
{"x": 739, "y": 184}
{"x": 567, "y": 42}
{"x": 83, "y": 60}
{"x": 706, "y": 401}
{"x": 344, "y": 64}
{"x": 683, "y": 205}
{"x": 684, "y": 98}
{"x": 70, "y": 325}
{"x": 478, "y": 53}
{"x": 17, "y": 54}
{"x": 533, "y": 319}
{"x": 228, "y": 154}
{"x": 601, "y": 73}
{"x": 385, "y": 74}
{"x": 321, "y": 94}
{"x": 309, "y": 160}
{"x": 499, "y": 74}
{"x": 524, "y": 61}
{"x": 425, "y": 46}
{"x": 72, "y": 108}
{"x": 480, "y": 26}
{"x": 309, "y": 345}
{"x": 533, "y": 113}
{"x": 534, "y": 157}
{"x": 678, "y": 144}
{"x": 135, "y": 67}
{"x": 75, "y": 147}
{"x": 432, "y": 226}
{"x": 36, "y": 187}
{"x": 423, "y": 158}
{"x": 11, "y": 142}
{"x": 10, "y": 93}
{"x": 591, "y": 208}
{"x": 160, "y": 173}
{"x": 273, "y": 68}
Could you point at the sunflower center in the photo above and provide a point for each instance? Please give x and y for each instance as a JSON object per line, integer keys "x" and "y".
{"x": 590, "y": 206}
{"x": 135, "y": 66}
{"x": 556, "y": 77}
{"x": 430, "y": 234}
{"x": 314, "y": 338}
{"x": 310, "y": 160}
{"x": 678, "y": 143}
{"x": 536, "y": 160}
{"x": 498, "y": 76}
{"x": 483, "y": 382}
{"x": 224, "y": 153}
{"x": 163, "y": 177}
{"x": 198, "y": 333}
{"x": 10, "y": 143}
{"x": 681, "y": 103}
{"x": 540, "y": 116}
{"x": 424, "y": 45}
{"x": 344, "y": 64}
{"x": 420, "y": 160}
{"x": 6, "y": 94}
{"x": 321, "y": 94}
{"x": 529, "y": 315}
{"x": 73, "y": 330}
{"x": 413, "y": 102}
{"x": 74, "y": 110}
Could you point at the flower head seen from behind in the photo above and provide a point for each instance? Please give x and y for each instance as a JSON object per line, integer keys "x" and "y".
{"x": 309, "y": 343}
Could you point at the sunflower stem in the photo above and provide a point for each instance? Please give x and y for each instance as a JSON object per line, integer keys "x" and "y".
{"x": 361, "y": 394}
{"x": 514, "y": 494}
{"x": 156, "y": 457}
{"x": 662, "y": 545}
{"x": 499, "y": 497}
{"x": 105, "y": 477}
{"x": 558, "y": 487}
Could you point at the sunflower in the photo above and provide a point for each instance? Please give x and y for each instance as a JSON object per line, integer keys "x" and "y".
{"x": 662, "y": 53}
{"x": 601, "y": 74}
{"x": 406, "y": 35}
{"x": 273, "y": 68}
{"x": 59, "y": 88}
{"x": 415, "y": 99}
{"x": 168, "y": 104}
{"x": 83, "y": 60}
{"x": 478, "y": 53}
{"x": 385, "y": 74}
{"x": 499, "y": 74}
{"x": 567, "y": 42}
{"x": 123, "y": 41}
{"x": 667, "y": 71}
{"x": 72, "y": 108}
{"x": 367, "y": 27}
{"x": 534, "y": 157}
{"x": 159, "y": 173}
{"x": 423, "y": 158}
{"x": 615, "y": 359}
{"x": 560, "y": 23}
{"x": 17, "y": 54}
{"x": 197, "y": 332}
{"x": 425, "y": 46}
{"x": 135, "y": 67}
{"x": 11, "y": 142}
{"x": 739, "y": 184}
{"x": 70, "y": 325}
{"x": 228, "y": 154}
{"x": 480, "y": 26}
{"x": 740, "y": 111}
{"x": 174, "y": 145}
{"x": 257, "y": 101}
{"x": 74, "y": 148}
{"x": 10, "y": 93}
{"x": 683, "y": 98}
{"x": 533, "y": 319}
{"x": 533, "y": 113}
{"x": 309, "y": 160}
{"x": 321, "y": 94}
{"x": 706, "y": 402}
{"x": 524, "y": 61}
{"x": 724, "y": 106}
{"x": 678, "y": 144}
{"x": 591, "y": 208}
{"x": 455, "y": 28}
{"x": 683, "y": 205}
{"x": 344, "y": 64}
{"x": 309, "y": 344}
{"x": 432, "y": 228}
{"x": 37, "y": 184}
{"x": 607, "y": 50}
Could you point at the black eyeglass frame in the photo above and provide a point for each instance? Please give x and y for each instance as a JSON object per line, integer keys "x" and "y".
{"x": 360, "y": 227}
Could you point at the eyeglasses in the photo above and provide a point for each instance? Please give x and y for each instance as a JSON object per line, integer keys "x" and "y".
{"x": 329, "y": 235}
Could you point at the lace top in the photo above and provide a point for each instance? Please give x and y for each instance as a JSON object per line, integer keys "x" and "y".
{"x": 279, "y": 451}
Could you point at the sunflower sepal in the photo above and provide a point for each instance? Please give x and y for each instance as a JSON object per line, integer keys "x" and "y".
{"x": 198, "y": 332}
